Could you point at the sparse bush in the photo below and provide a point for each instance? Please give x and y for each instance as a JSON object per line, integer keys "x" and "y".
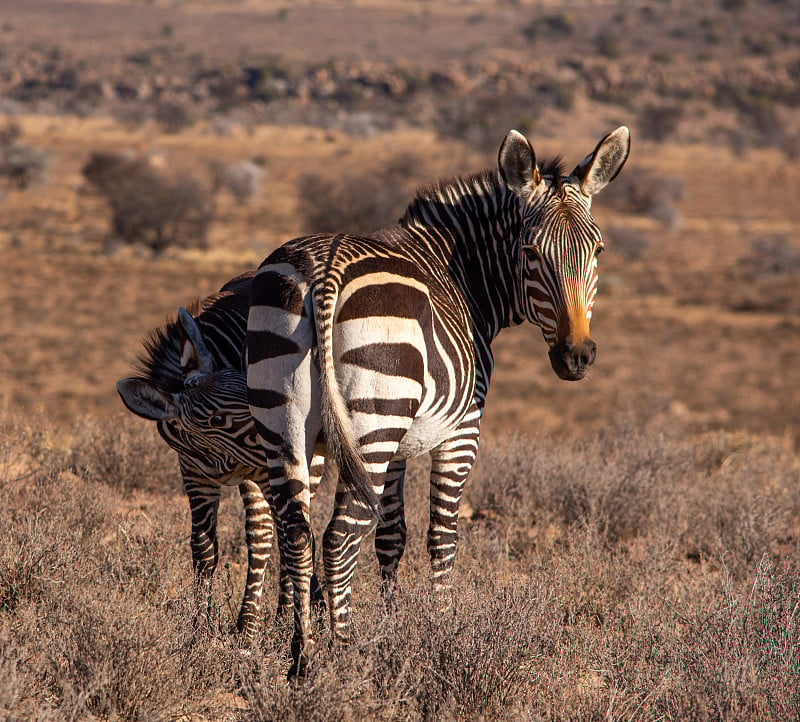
{"x": 659, "y": 122}
{"x": 483, "y": 117}
{"x": 149, "y": 206}
{"x": 20, "y": 163}
{"x": 638, "y": 571}
{"x": 23, "y": 164}
{"x": 608, "y": 46}
{"x": 10, "y": 133}
{"x": 767, "y": 281}
{"x": 627, "y": 243}
{"x": 242, "y": 180}
{"x": 643, "y": 192}
{"x": 771, "y": 256}
{"x": 359, "y": 203}
{"x": 267, "y": 81}
{"x": 556, "y": 25}
{"x": 125, "y": 454}
{"x": 173, "y": 116}
{"x": 733, "y": 5}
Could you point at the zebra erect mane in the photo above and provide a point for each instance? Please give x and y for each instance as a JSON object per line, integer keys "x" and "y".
{"x": 160, "y": 364}
{"x": 553, "y": 169}
{"x": 222, "y": 318}
{"x": 451, "y": 191}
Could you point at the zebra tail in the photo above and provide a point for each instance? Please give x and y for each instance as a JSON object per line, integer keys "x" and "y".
{"x": 336, "y": 422}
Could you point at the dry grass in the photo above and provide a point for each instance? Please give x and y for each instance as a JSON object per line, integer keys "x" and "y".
{"x": 620, "y": 574}
{"x": 634, "y": 575}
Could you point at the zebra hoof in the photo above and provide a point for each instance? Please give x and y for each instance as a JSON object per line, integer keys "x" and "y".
{"x": 301, "y": 660}
{"x": 443, "y": 599}
{"x": 244, "y": 636}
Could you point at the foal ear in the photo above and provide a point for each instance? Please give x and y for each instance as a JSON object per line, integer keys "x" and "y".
{"x": 196, "y": 359}
{"x": 517, "y": 163}
{"x": 145, "y": 400}
{"x": 603, "y": 164}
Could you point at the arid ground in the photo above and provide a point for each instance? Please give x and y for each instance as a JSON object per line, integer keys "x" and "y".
{"x": 338, "y": 110}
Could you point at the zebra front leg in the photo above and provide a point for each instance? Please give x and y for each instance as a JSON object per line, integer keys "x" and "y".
{"x": 258, "y": 534}
{"x": 390, "y": 534}
{"x": 204, "y": 506}
{"x": 450, "y": 464}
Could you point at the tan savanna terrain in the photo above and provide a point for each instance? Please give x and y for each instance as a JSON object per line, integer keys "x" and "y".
{"x": 339, "y": 110}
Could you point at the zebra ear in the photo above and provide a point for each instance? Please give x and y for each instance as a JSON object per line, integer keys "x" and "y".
{"x": 195, "y": 356}
{"x": 517, "y": 163}
{"x": 145, "y": 400}
{"x": 604, "y": 163}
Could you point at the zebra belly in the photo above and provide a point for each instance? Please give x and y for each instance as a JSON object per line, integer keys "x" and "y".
{"x": 425, "y": 434}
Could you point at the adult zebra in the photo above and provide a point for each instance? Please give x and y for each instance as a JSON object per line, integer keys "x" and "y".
{"x": 383, "y": 344}
{"x": 191, "y": 381}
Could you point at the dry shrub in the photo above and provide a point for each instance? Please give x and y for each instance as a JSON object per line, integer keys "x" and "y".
{"x": 95, "y": 619}
{"x": 124, "y": 453}
{"x": 242, "y": 180}
{"x": 630, "y": 244}
{"x": 471, "y": 660}
{"x": 772, "y": 256}
{"x": 173, "y": 116}
{"x": 22, "y": 164}
{"x": 639, "y": 574}
{"x": 149, "y": 205}
{"x": 643, "y": 192}
{"x": 659, "y": 122}
{"x": 745, "y": 649}
{"x": 359, "y": 202}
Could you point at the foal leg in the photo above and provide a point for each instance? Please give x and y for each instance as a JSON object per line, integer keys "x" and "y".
{"x": 204, "y": 507}
{"x": 258, "y": 533}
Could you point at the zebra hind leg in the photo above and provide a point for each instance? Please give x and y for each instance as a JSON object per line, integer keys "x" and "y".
{"x": 296, "y": 545}
{"x": 341, "y": 542}
{"x": 316, "y": 470}
{"x": 390, "y": 534}
{"x": 285, "y": 588}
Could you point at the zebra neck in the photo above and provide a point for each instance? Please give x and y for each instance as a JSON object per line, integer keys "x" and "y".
{"x": 472, "y": 224}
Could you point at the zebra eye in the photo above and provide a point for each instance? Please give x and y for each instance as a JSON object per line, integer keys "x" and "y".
{"x": 531, "y": 253}
{"x": 217, "y": 421}
{"x": 598, "y": 249}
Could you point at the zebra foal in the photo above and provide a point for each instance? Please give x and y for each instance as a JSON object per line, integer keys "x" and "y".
{"x": 191, "y": 381}
{"x": 381, "y": 345}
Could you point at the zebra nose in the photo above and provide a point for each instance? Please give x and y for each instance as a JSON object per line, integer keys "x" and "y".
{"x": 571, "y": 361}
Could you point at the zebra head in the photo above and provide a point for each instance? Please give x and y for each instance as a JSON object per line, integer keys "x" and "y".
{"x": 208, "y": 420}
{"x": 560, "y": 242}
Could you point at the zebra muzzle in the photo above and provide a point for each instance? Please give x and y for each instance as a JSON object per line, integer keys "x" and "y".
{"x": 571, "y": 361}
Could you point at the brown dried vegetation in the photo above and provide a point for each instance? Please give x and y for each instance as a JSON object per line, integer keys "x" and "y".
{"x": 606, "y": 569}
{"x": 636, "y": 574}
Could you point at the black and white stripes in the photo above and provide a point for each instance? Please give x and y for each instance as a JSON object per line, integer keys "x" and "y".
{"x": 191, "y": 381}
{"x": 380, "y": 346}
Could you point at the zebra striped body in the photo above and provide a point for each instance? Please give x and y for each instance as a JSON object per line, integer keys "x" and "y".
{"x": 198, "y": 399}
{"x": 381, "y": 345}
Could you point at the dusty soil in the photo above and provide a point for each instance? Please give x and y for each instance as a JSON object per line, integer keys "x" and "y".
{"x": 698, "y": 313}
